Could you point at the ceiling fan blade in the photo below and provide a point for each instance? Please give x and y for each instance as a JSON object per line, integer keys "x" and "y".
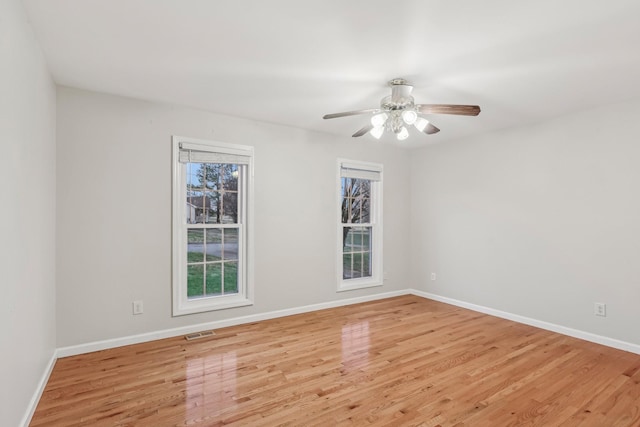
{"x": 363, "y": 131}
{"x": 351, "y": 113}
{"x": 431, "y": 129}
{"x": 461, "y": 110}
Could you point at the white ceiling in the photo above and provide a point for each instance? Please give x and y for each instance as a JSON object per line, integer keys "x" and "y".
{"x": 291, "y": 61}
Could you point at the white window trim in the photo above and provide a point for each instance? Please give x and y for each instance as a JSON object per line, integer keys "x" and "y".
{"x": 376, "y": 278}
{"x": 181, "y": 304}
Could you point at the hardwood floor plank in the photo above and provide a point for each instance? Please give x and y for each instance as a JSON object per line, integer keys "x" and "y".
{"x": 404, "y": 361}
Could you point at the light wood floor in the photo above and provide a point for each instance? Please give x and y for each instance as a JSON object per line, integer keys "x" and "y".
{"x": 399, "y": 361}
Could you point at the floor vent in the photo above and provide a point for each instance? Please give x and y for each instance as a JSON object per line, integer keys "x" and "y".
{"x": 198, "y": 335}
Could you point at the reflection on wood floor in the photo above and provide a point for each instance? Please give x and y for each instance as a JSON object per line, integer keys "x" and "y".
{"x": 399, "y": 361}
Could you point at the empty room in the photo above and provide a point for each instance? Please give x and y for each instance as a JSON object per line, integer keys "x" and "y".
{"x": 264, "y": 213}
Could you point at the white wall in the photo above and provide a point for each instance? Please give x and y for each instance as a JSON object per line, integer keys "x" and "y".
{"x": 540, "y": 221}
{"x": 114, "y": 213}
{"x": 27, "y": 217}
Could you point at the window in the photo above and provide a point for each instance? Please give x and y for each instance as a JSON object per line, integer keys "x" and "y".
{"x": 360, "y": 225}
{"x": 212, "y": 190}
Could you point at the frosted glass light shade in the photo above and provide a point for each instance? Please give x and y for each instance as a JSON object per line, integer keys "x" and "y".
{"x": 379, "y": 119}
{"x": 409, "y": 116}
{"x": 377, "y": 132}
{"x": 421, "y": 124}
{"x": 403, "y": 134}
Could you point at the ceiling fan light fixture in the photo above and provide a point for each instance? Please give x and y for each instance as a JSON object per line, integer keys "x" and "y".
{"x": 398, "y": 111}
{"x": 377, "y": 132}
{"x": 403, "y": 134}
{"x": 421, "y": 124}
{"x": 409, "y": 116}
{"x": 378, "y": 120}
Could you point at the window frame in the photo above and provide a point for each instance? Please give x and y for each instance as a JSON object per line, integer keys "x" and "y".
{"x": 181, "y": 304}
{"x": 376, "y": 257}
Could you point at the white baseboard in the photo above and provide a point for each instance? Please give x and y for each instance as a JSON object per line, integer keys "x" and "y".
{"x": 587, "y": 336}
{"x": 168, "y": 333}
{"x": 33, "y": 403}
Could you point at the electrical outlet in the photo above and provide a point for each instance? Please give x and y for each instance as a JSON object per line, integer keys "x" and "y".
{"x": 138, "y": 307}
{"x": 433, "y": 276}
{"x": 600, "y": 309}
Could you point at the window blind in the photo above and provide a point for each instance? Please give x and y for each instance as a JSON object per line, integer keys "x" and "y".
{"x": 360, "y": 171}
{"x": 194, "y": 153}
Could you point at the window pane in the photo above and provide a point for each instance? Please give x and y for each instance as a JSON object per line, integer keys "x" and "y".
{"x": 346, "y": 266}
{"x": 347, "y": 199}
{"x": 212, "y": 196}
{"x": 230, "y": 177}
{"x": 214, "y": 279}
{"x": 347, "y": 240}
{"x": 357, "y": 239}
{"x": 230, "y": 247}
{"x": 214, "y": 244}
{"x": 195, "y": 245}
{"x": 195, "y": 281}
{"x": 231, "y": 277}
{"x": 194, "y": 193}
{"x": 354, "y": 187}
{"x": 357, "y": 265}
{"x": 365, "y": 189}
{"x": 356, "y": 194}
{"x": 355, "y": 210}
{"x": 203, "y": 176}
{"x": 193, "y": 181}
{"x": 211, "y": 208}
{"x": 345, "y": 212}
{"x": 365, "y": 215}
{"x": 210, "y": 175}
{"x": 356, "y": 252}
{"x": 366, "y": 264}
{"x": 230, "y": 208}
{"x": 194, "y": 206}
{"x": 365, "y": 240}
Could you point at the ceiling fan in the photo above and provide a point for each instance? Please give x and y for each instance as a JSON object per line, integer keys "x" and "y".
{"x": 399, "y": 110}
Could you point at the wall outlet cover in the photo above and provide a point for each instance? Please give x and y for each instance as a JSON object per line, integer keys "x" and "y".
{"x": 600, "y": 309}
{"x": 138, "y": 307}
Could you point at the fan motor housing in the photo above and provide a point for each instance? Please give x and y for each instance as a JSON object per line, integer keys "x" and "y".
{"x": 400, "y": 97}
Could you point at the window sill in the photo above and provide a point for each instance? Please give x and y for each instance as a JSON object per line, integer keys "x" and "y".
{"x": 203, "y": 305}
{"x": 351, "y": 285}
